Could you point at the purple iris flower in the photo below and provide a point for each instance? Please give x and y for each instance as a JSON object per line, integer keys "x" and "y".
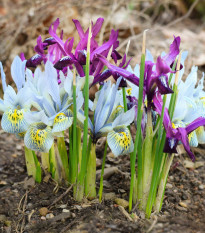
{"x": 78, "y": 59}
{"x": 40, "y": 56}
{"x": 158, "y": 77}
{"x": 116, "y": 71}
{"x": 156, "y": 74}
{"x": 175, "y": 135}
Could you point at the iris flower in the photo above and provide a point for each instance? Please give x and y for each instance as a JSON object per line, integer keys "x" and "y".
{"x": 174, "y": 135}
{"x": 156, "y": 77}
{"x": 111, "y": 121}
{"x": 53, "y": 101}
{"x": 190, "y": 104}
{"x": 61, "y": 55}
{"x": 15, "y": 105}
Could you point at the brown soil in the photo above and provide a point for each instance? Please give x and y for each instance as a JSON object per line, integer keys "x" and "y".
{"x": 21, "y": 199}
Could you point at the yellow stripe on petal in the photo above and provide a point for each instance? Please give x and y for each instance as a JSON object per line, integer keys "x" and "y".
{"x": 120, "y": 141}
{"x": 39, "y": 137}
{"x": 117, "y": 111}
{"x": 203, "y": 101}
{"x": 13, "y": 121}
{"x": 173, "y": 126}
{"x": 62, "y": 122}
{"x": 129, "y": 91}
{"x": 60, "y": 117}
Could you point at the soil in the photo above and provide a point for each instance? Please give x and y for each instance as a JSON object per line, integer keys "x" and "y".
{"x": 22, "y": 198}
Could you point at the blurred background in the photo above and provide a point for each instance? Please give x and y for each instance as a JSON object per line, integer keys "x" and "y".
{"x": 22, "y": 21}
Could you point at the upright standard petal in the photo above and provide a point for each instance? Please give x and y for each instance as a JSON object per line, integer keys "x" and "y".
{"x": 3, "y": 78}
{"x": 18, "y": 72}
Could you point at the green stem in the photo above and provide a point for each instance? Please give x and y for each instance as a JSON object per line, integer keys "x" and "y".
{"x": 157, "y": 163}
{"x": 90, "y": 189}
{"x": 81, "y": 177}
{"x": 79, "y": 148}
{"x": 64, "y": 157}
{"x": 74, "y": 154}
{"x": 54, "y": 166}
{"x": 162, "y": 184}
{"x": 137, "y": 138}
{"x": 32, "y": 165}
{"x": 45, "y": 161}
{"x": 124, "y": 99}
{"x": 70, "y": 152}
{"x": 102, "y": 173}
{"x": 147, "y": 160}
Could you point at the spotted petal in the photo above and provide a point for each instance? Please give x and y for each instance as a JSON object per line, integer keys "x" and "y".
{"x": 39, "y": 137}
{"x": 62, "y": 122}
{"x": 13, "y": 121}
{"x": 120, "y": 141}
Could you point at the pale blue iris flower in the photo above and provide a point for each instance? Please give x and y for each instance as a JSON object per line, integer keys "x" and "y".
{"x": 111, "y": 121}
{"x": 53, "y": 101}
{"x": 15, "y": 104}
{"x": 190, "y": 105}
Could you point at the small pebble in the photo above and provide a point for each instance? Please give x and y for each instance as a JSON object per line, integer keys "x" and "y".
{"x": 43, "y": 218}
{"x": 7, "y": 223}
{"x": 183, "y": 204}
{"x": 18, "y": 147}
{"x": 201, "y": 186}
{"x": 169, "y": 186}
{"x": 171, "y": 178}
{"x": 109, "y": 196}
{"x": 30, "y": 205}
{"x": 2, "y": 218}
{"x": 166, "y": 213}
{"x": 121, "y": 191}
{"x": 188, "y": 164}
{"x": 160, "y": 225}
{"x": 43, "y": 211}
{"x": 49, "y": 216}
{"x": 63, "y": 206}
{"x": 199, "y": 164}
{"x": 122, "y": 202}
{"x": 65, "y": 211}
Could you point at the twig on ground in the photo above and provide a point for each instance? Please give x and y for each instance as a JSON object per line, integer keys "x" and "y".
{"x": 60, "y": 197}
{"x": 125, "y": 213}
{"x": 22, "y": 211}
{"x": 152, "y": 225}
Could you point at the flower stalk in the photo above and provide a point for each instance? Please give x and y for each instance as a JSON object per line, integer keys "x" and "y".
{"x": 138, "y": 134}
{"x": 32, "y": 164}
{"x": 102, "y": 173}
{"x": 90, "y": 188}
{"x": 81, "y": 177}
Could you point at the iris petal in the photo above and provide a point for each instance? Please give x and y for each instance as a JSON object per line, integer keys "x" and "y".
{"x": 193, "y": 139}
{"x": 62, "y": 122}
{"x": 13, "y": 121}
{"x": 120, "y": 141}
{"x": 200, "y": 133}
{"x": 39, "y": 137}
{"x": 117, "y": 111}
